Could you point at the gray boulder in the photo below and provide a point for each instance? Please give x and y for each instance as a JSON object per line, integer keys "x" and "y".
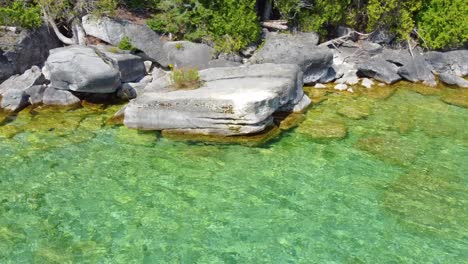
{"x": 20, "y": 51}
{"x": 380, "y": 70}
{"x": 13, "y": 90}
{"x": 451, "y": 79}
{"x": 14, "y": 100}
{"x": 130, "y": 91}
{"x": 113, "y": 31}
{"x": 413, "y": 67}
{"x": 131, "y": 67}
{"x": 382, "y": 37}
{"x": 300, "y": 49}
{"x": 186, "y": 54}
{"x": 417, "y": 70}
{"x": 371, "y": 48}
{"x": 35, "y": 94}
{"x": 81, "y": 69}
{"x": 231, "y": 101}
{"x": 452, "y": 62}
{"x": 219, "y": 63}
{"x": 22, "y": 82}
{"x": 53, "y": 96}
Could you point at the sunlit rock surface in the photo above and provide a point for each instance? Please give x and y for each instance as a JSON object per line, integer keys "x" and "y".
{"x": 230, "y": 101}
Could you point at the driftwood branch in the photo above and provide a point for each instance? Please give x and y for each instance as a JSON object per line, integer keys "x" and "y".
{"x": 276, "y": 24}
{"x": 410, "y": 48}
{"x": 342, "y": 39}
{"x": 6, "y": 28}
{"x": 65, "y": 40}
{"x": 419, "y": 36}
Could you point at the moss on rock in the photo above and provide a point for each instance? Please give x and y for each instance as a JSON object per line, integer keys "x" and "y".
{"x": 458, "y": 97}
{"x": 355, "y": 111}
{"x": 428, "y": 203}
{"x": 253, "y": 140}
{"x": 323, "y": 130}
{"x": 390, "y": 148}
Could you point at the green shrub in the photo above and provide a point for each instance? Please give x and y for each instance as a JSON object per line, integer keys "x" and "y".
{"x": 106, "y": 7}
{"x": 21, "y": 14}
{"x": 126, "y": 44}
{"x": 444, "y": 24}
{"x": 231, "y": 24}
{"x": 185, "y": 78}
{"x": 397, "y": 16}
{"x": 179, "y": 46}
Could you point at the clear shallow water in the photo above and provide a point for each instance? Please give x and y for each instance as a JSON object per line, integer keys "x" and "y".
{"x": 395, "y": 190}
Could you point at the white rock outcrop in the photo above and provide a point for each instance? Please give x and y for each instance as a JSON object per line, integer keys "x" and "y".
{"x": 231, "y": 101}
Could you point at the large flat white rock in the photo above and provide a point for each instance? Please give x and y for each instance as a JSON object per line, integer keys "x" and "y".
{"x": 231, "y": 101}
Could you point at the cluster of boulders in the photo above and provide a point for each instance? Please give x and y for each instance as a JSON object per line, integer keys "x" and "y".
{"x": 237, "y": 95}
{"x": 365, "y": 62}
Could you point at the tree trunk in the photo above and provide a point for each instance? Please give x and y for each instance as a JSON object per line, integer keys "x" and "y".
{"x": 79, "y": 34}
{"x": 76, "y": 27}
{"x": 268, "y": 8}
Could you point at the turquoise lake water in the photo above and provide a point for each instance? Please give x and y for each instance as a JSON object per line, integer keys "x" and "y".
{"x": 395, "y": 190}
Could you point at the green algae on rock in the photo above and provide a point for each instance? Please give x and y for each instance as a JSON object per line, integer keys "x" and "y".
{"x": 252, "y": 140}
{"x": 323, "y": 130}
{"x": 355, "y": 111}
{"x": 287, "y": 121}
{"x": 390, "y": 148}
{"x": 428, "y": 203}
{"x": 421, "y": 88}
{"x": 458, "y": 97}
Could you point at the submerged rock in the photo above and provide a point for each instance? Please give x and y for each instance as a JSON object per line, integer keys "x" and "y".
{"x": 427, "y": 202}
{"x": 459, "y": 98}
{"x": 323, "y": 129}
{"x": 391, "y": 148}
{"x": 81, "y": 69}
{"x": 355, "y": 111}
{"x": 300, "y": 49}
{"x": 231, "y": 101}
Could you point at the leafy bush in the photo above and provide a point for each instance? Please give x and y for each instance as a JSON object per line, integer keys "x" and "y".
{"x": 444, "y": 24}
{"x": 126, "y": 44}
{"x": 185, "y": 78}
{"x": 231, "y": 24}
{"x": 105, "y": 7}
{"x": 21, "y": 14}
{"x": 396, "y": 16}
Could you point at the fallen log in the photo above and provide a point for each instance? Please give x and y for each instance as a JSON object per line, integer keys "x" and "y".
{"x": 276, "y": 24}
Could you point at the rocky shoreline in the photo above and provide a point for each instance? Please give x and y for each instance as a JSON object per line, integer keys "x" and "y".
{"x": 239, "y": 95}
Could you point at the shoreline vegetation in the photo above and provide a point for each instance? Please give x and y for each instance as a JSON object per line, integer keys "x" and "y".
{"x": 231, "y": 26}
{"x": 223, "y": 68}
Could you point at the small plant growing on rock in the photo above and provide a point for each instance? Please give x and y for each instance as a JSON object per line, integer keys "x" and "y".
{"x": 179, "y": 46}
{"x": 185, "y": 78}
{"x": 114, "y": 50}
{"x": 126, "y": 44}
